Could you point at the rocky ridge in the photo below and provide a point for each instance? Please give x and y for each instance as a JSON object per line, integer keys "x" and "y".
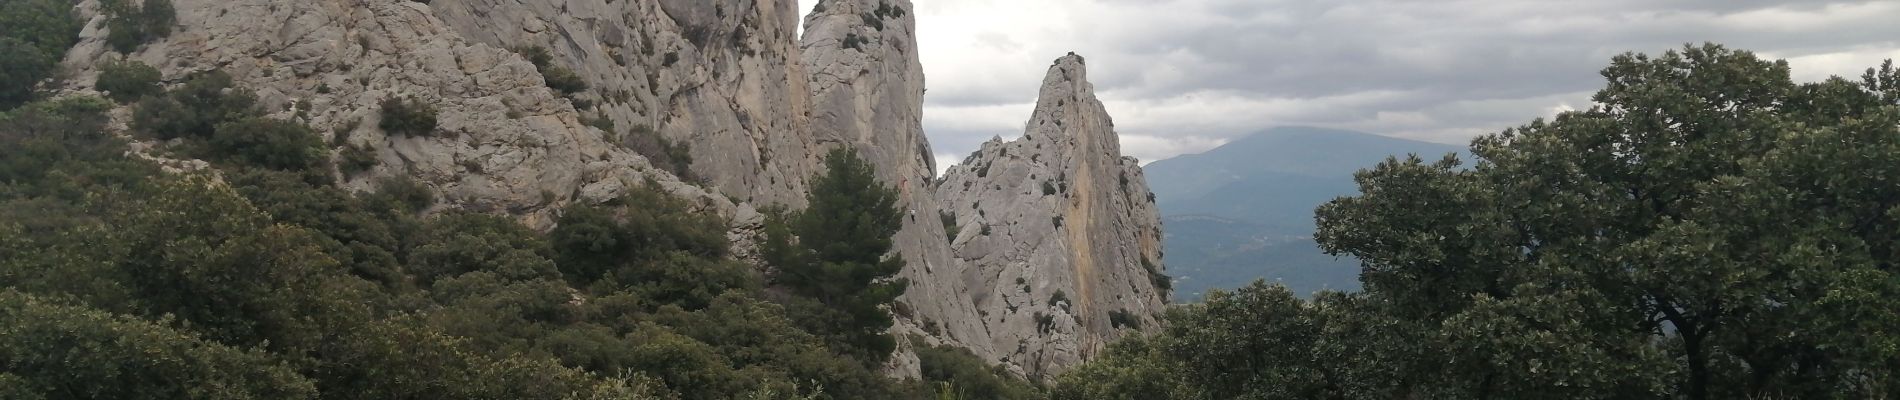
{"x": 1061, "y": 231}
{"x": 504, "y": 141}
{"x": 757, "y": 105}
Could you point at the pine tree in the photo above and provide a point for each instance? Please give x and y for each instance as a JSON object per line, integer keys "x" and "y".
{"x": 842, "y": 254}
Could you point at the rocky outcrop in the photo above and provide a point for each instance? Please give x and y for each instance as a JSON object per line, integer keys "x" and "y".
{"x": 867, "y": 90}
{"x": 1032, "y": 279}
{"x": 722, "y": 76}
{"x": 1059, "y": 230}
{"x": 505, "y": 142}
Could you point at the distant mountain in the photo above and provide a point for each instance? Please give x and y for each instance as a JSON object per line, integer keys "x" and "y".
{"x": 1244, "y": 211}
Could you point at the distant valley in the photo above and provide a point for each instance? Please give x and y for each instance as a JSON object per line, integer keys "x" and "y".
{"x": 1244, "y": 211}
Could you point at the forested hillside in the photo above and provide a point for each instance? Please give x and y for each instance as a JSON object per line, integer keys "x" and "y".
{"x": 1711, "y": 229}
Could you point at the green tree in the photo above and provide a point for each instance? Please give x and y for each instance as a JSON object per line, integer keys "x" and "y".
{"x": 127, "y": 81}
{"x": 61, "y": 351}
{"x": 269, "y": 143}
{"x": 195, "y": 109}
{"x": 129, "y": 25}
{"x": 407, "y": 117}
{"x": 48, "y": 25}
{"x": 838, "y": 251}
{"x": 21, "y": 70}
{"x": 1711, "y": 220}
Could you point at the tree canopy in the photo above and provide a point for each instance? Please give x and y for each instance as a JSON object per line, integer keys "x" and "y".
{"x": 1711, "y": 229}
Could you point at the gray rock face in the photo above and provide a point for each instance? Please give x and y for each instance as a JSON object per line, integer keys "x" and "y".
{"x": 504, "y": 143}
{"x": 722, "y": 76}
{"x": 867, "y": 90}
{"x": 757, "y": 104}
{"x": 1060, "y": 232}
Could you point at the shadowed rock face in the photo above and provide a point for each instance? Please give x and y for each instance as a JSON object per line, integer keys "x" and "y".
{"x": 1060, "y": 230}
{"x": 758, "y": 105}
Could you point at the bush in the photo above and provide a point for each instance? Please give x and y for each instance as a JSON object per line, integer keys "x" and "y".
{"x": 966, "y": 374}
{"x": 125, "y": 81}
{"x": 268, "y": 143}
{"x": 404, "y": 194}
{"x": 666, "y": 154}
{"x": 1123, "y": 319}
{"x": 556, "y": 77}
{"x": 355, "y": 159}
{"x": 77, "y": 352}
{"x": 950, "y": 229}
{"x": 23, "y": 67}
{"x": 407, "y": 117}
{"x": 563, "y": 80}
{"x": 195, "y": 109}
{"x": 130, "y": 26}
{"x": 48, "y": 25}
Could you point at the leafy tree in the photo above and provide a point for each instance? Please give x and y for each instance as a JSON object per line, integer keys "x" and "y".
{"x": 841, "y": 256}
{"x": 131, "y": 25}
{"x": 194, "y": 109}
{"x": 49, "y": 25}
{"x": 1696, "y": 215}
{"x": 1137, "y": 368}
{"x": 1710, "y": 230}
{"x": 127, "y": 81}
{"x": 269, "y": 143}
{"x": 21, "y": 70}
{"x": 968, "y": 375}
{"x": 460, "y": 243}
{"x": 59, "y": 351}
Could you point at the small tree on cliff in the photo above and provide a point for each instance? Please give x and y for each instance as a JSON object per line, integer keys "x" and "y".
{"x": 841, "y": 257}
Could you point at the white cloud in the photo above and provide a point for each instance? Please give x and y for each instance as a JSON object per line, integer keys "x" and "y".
{"x": 1179, "y": 76}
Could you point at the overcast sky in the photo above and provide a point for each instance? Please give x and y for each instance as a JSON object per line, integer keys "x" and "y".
{"x": 1184, "y": 76}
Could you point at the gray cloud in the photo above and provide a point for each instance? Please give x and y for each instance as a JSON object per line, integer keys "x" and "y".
{"x": 1186, "y": 75}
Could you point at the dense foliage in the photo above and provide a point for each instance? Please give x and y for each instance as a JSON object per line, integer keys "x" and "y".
{"x": 134, "y": 23}
{"x": 34, "y": 35}
{"x": 259, "y": 279}
{"x": 407, "y": 117}
{"x": 126, "y": 81}
{"x": 838, "y": 251}
{"x": 1710, "y": 230}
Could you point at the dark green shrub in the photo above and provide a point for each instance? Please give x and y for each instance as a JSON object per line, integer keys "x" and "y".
{"x": 558, "y": 78}
{"x": 969, "y": 376}
{"x": 1123, "y": 319}
{"x": 404, "y": 193}
{"x": 126, "y": 81}
{"x": 195, "y": 109}
{"x": 130, "y": 26}
{"x": 407, "y": 117}
{"x": 78, "y": 352}
{"x": 950, "y": 229}
{"x": 23, "y": 67}
{"x": 49, "y": 25}
{"x": 674, "y": 157}
{"x": 563, "y": 80}
{"x": 355, "y": 159}
{"x": 268, "y": 143}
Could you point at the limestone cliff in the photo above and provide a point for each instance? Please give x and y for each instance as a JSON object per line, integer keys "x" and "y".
{"x": 722, "y": 76}
{"x": 1060, "y": 230}
{"x": 505, "y": 142}
{"x": 758, "y": 105}
{"x": 867, "y": 90}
